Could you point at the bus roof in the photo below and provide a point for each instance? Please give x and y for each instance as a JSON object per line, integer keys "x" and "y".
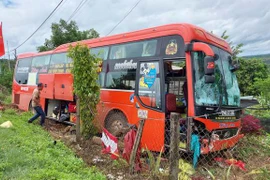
{"x": 26, "y": 55}
{"x": 189, "y": 33}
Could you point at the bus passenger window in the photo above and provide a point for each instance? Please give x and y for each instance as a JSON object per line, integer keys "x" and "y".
{"x": 22, "y": 70}
{"x": 101, "y": 79}
{"x": 101, "y": 52}
{"x": 121, "y": 80}
{"x": 149, "y": 48}
{"x": 134, "y": 49}
{"x": 60, "y": 63}
{"x": 118, "y": 52}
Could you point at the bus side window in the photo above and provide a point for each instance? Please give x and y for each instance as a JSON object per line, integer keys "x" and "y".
{"x": 134, "y": 49}
{"x": 101, "y": 79}
{"x": 59, "y": 63}
{"x": 22, "y": 70}
{"x": 149, "y": 48}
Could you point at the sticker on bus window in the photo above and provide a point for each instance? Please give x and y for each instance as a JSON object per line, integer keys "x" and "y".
{"x": 149, "y": 75}
{"x": 171, "y": 48}
{"x": 32, "y": 78}
{"x": 22, "y": 69}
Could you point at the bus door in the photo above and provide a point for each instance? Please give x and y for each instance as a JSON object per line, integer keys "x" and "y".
{"x": 176, "y": 94}
{"x": 148, "y": 103}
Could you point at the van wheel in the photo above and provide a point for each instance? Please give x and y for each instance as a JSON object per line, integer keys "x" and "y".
{"x": 117, "y": 124}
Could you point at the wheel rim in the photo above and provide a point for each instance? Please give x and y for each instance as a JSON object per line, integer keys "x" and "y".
{"x": 116, "y": 126}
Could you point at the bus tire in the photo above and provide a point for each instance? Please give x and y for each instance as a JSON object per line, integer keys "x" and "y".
{"x": 116, "y": 123}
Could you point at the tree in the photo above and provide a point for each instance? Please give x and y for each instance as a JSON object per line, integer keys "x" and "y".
{"x": 236, "y": 49}
{"x": 263, "y": 85}
{"x": 250, "y": 71}
{"x": 6, "y": 75}
{"x": 64, "y": 32}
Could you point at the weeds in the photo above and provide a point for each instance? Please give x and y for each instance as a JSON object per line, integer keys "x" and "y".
{"x": 154, "y": 163}
{"x": 186, "y": 170}
{"x": 254, "y": 145}
{"x": 225, "y": 175}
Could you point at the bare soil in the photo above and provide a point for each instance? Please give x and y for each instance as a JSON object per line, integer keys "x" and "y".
{"x": 91, "y": 152}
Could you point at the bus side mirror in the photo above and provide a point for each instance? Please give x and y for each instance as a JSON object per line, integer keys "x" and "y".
{"x": 235, "y": 64}
{"x": 209, "y": 65}
{"x": 209, "y": 79}
{"x": 235, "y": 67}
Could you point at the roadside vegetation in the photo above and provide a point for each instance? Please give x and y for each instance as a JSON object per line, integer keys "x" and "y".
{"x": 29, "y": 152}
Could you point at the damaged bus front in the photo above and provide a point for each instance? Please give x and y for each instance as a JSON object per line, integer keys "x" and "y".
{"x": 216, "y": 100}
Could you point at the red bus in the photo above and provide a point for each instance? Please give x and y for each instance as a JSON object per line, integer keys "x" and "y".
{"x": 148, "y": 74}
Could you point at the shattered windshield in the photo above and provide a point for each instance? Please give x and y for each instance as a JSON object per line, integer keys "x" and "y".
{"x": 225, "y": 86}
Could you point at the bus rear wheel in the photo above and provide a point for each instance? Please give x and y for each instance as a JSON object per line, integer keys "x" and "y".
{"x": 117, "y": 124}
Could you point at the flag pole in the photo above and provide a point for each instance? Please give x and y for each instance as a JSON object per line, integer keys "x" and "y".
{"x": 8, "y": 57}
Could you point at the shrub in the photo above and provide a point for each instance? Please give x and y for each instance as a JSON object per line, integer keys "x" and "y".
{"x": 251, "y": 124}
{"x": 251, "y": 70}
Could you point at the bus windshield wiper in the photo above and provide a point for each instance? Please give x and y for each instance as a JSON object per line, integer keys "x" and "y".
{"x": 223, "y": 88}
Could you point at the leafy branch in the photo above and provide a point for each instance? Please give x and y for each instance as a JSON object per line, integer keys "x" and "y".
{"x": 86, "y": 87}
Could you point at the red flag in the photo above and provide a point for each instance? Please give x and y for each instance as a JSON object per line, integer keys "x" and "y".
{"x": 2, "y": 45}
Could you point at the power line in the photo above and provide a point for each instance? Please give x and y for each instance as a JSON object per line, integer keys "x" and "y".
{"x": 82, "y": 3}
{"x": 61, "y": 6}
{"x": 80, "y": 9}
{"x": 124, "y": 17}
{"x": 40, "y": 25}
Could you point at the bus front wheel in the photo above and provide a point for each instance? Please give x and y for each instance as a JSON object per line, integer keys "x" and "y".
{"x": 117, "y": 124}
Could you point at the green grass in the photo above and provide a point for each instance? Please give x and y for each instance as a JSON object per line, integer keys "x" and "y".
{"x": 27, "y": 152}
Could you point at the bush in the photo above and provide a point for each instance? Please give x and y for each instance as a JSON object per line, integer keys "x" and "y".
{"x": 5, "y": 97}
{"x": 251, "y": 124}
{"x": 263, "y": 86}
{"x": 6, "y": 80}
{"x": 251, "y": 70}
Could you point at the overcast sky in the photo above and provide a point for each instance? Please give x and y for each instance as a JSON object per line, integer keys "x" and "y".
{"x": 247, "y": 21}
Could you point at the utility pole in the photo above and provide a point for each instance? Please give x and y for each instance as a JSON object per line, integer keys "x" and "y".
{"x": 15, "y": 55}
{"x": 8, "y": 57}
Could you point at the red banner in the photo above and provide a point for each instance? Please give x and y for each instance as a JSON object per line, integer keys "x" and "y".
{"x": 2, "y": 45}
{"x": 110, "y": 144}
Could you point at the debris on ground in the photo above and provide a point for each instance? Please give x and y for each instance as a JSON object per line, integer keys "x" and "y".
{"x": 6, "y": 124}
